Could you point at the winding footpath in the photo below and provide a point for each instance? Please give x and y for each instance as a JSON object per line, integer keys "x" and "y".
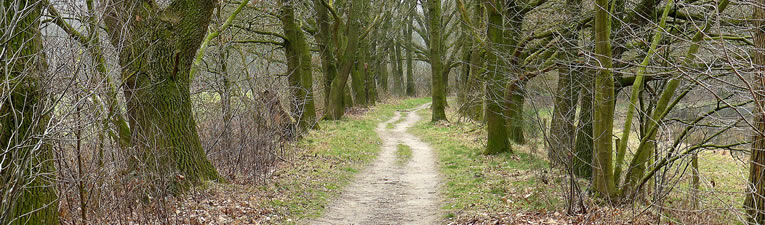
{"x": 390, "y": 193}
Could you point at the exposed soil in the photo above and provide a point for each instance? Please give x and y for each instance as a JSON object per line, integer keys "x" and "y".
{"x": 388, "y": 192}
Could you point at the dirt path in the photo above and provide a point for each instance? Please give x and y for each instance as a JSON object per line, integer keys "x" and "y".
{"x": 391, "y": 193}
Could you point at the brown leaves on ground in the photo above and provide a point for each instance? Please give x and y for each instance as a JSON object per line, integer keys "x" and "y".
{"x": 598, "y": 215}
{"x": 224, "y": 204}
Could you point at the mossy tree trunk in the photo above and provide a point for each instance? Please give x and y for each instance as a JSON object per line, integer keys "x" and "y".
{"x": 603, "y": 105}
{"x": 410, "y": 87}
{"x": 326, "y": 49}
{"x": 497, "y": 141}
{"x": 308, "y": 118}
{"x": 370, "y": 69}
{"x": 156, "y": 49}
{"x": 27, "y": 178}
{"x": 754, "y": 204}
{"x": 336, "y": 108}
{"x": 298, "y": 68}
{"x": 476, "y": 80}
{"x": 385, "y": 50}
{"x": 398, "y": 68}
{"x": 516, "y": 97}
{"x": 358, "y": 78}
{"x": 438, "y": 89}
{"x": 636, "y": 89}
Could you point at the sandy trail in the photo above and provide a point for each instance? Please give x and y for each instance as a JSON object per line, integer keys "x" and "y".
{"x": 390, "y": 193}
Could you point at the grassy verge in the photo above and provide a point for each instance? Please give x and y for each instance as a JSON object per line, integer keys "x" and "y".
{"x": 476, "y": 184}
{"x": 520, "y": 188}
{"x": 328, "y": 160}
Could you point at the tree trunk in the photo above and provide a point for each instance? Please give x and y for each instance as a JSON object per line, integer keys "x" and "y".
{"x": 603, "y": 106}
{"x": 336, "y": 109}
{"x": 370, "y": 69}
{"x": 398, "y": 69}
{"x": 562, "y": 129}
{"x": 436, "y": 64}
{"x": 326, "y": 51}
{"x": 308, "y": 118}
{"x": 299, "y": 69}
{"x": 28, "y": 193}
{"x": 476, "y": 81}
{"x": 754, "y": 204}
{"x": 410, "y": 87}
{"x": 358, "y": 78}
{"x": 497, "y": 141}
{"x": 516, "y": 97}
{"x": 156, "y": 61}
{"x": 382, "y": 79}
{"x": 225, "y": 94}
{"x": 583, "y": 145}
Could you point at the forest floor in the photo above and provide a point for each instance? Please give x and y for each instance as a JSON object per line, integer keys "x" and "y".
{"x": 398, "y": 188}
{"x": 374, "y": 167}
{"x": 313, "y": 175}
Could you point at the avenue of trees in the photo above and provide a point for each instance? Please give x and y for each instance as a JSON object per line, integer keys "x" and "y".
{"x": 105, "y": 103}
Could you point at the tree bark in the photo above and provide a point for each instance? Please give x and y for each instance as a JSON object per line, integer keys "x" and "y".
{"x": 156, "y": 48}
{"x": 754, "y": 203}
{"x": 336, "y": 109}
{"x": 436, "y": 64}
{"x": 497, "y": 141}
{"x": 410, "y": 86}
{"x": 603, "y": 105}
{"x": 562, "y": 129}
{"x": 326, "y": 49}
{"x": 516, "y": 97}
{"x": 299, "y": 68}
{"x": 308, "y": 118}
{"x": 371, "y": 70}
{"x": 28, "y": 193}
{"x": 398, "y": 69}
{"x": 583, "y": 145}
{"x": 358, "y": 79}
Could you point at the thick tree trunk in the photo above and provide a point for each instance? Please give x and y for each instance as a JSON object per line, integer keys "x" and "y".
{"x": 27, "y": 174}
{"x": 436, "y": 64}
{"x": 754, "y": 204}
{"x": 603, "y": 106}
{"x": 497, "y": 141}
{"x": 298, "y": 69}
{"x": 358, "y": 79}
{"x": 336, "y": 109}
{"x": 156, "y": 61}
{"x": 308, "y": 118}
